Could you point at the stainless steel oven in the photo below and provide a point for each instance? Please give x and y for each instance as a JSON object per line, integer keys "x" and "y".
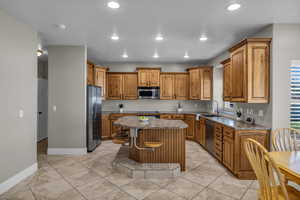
{"x": 148, "y": 92}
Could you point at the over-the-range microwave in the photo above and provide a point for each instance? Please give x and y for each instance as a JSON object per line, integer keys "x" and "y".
{"x": 148, "y": 92}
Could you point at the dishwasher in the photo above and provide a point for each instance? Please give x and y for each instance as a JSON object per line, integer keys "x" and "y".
{"x": 209, "y": 136}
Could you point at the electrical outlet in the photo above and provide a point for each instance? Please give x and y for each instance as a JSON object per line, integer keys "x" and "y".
{"x": 21, "y": 113}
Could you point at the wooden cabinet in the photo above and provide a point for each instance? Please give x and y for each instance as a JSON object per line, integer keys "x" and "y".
{"x": 200, "y": 131}
{"x": 228, "y": 148}
{"x": 226, "y": 79}
{"x": 105, "y": 126}
{"x": 129, "y": 86}
{"x": 148, "y": 77}
{"x": 174, "y": 86}
{"x": 190, "y": 121}
{"x": 90, "y": 73}
{"x": 194, "y": 83}
{"x": 121, "y": 86}
{"x": 218, "y": 141}
{"x": 114, "y": 86}
{"x": 167, "y": 86}
{"x": 200, "y": 83}
{"x": 206, "y": 83}
{"x": 181, "y": 86}
{"x": 100, "y": 78}
{"x": 250, "y": 66}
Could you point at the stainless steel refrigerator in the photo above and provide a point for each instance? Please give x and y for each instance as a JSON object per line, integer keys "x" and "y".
{"x": 94, "y": 107}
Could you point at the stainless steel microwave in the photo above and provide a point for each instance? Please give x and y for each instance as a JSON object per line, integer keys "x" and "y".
{"x": 148, "y": 92}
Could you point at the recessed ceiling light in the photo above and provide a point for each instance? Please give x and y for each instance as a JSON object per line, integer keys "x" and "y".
{"x": 203, "y": 38}
{"x": 39, "y": 52}
{"x": 125, "y": 55}
{"x": 155, "y": 55}
{"x": 186, "y": 55}
{"x": 113, "y": 5}
{"x": 233, "y": 7}
{"x": 115, "y": 37}
{"x": 159, "y": 37}
{"x": 61, "y": 26}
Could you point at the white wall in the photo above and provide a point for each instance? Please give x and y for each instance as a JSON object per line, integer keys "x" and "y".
{"x": 286, "y": 47}
{"x": 18, "y": 86}
{"x": 67, "y": 91}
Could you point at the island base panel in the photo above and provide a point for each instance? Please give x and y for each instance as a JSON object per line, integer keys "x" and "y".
{"x": 171, "y": 151}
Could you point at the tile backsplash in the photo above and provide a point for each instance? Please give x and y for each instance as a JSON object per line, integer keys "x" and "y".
{"x": 155, "y": 105}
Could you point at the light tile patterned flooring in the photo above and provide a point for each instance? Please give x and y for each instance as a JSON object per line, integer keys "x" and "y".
{"x": 90, "y": 177}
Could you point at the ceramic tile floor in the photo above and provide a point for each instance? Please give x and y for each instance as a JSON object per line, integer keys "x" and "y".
{"x": 90, "y": 177}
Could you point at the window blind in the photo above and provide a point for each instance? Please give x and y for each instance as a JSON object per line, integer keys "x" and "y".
{"x": 295, "y": 95}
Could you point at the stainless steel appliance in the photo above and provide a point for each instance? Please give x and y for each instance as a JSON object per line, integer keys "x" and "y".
{"x": 209, "y": 136}
{"x": 148, "y": 92}
{"x": 93, "y": 127}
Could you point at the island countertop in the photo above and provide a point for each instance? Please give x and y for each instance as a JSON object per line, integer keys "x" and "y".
{"x": 134, "y": 122}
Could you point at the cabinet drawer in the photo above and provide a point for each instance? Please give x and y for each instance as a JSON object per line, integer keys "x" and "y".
{"x": 218, "y": 155}
{"x": 178, "y": 117}
{"x": 218, "y": 145}
{"x": 218, "y": 128}
{"x": 228, "y": 132}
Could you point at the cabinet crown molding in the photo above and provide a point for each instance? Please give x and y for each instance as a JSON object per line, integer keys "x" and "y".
{"x": 248, "y": 40}
{"x": 224, "y": 62}
{"x": 148, "y": 68}
{"x": 199, "y": 67}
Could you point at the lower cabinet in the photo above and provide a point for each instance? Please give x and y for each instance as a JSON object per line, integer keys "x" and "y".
{"x": 105, "y": 126}
{"x": 229, "y": 148}
{"x": 200, "y": 131}
{"x": 190, "y": 121}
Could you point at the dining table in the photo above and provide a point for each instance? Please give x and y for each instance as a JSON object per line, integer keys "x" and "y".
{"x": 288, "y": 163}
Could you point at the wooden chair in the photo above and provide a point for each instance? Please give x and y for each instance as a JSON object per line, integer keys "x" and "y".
{"x": 285, "y": 139}
{"x": 271, "y": 181}
{"x": 121, "y": 137}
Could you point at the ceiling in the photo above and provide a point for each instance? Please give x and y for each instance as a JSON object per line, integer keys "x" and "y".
{"x": 137, "y": 22}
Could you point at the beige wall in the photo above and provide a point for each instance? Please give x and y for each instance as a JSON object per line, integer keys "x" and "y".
{"x": 18, "y": 86}
{"x": 67, "y": 91}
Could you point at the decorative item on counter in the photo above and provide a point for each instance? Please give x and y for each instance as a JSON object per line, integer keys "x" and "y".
{"x": 238, "y": 114}
{"x": 143, "y": 119}
{"x": 250, "y": 117}
{"x": 179, "y": 107}
{"x": 121, "y": 107}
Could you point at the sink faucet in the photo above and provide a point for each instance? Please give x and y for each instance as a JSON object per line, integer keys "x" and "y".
{"x": 215, "y": 101}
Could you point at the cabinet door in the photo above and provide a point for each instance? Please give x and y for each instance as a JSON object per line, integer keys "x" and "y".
{"x": 106, "y": 133}
{"x": 226, "y": 82}
{"x": 228, "y": 153}
{"x": 198, "y": 132}
{"x": 202, "y": 132}
{"x": 90, "y": 74}
{"x": 190, "y": 121}
{"x": 181, "y": 86}
{"x": 130, "y": 86}
{"x": 143, "y": 78}
{"x": 114, "y": 86}
{"x": 238, "y": 75}
{"x": 194, "y": 83}
{"x": 206, "y": 79}
{"x": 100, "y": 79}
{"x": 154, "y": 77}
{"x": 166, "y": 86}
{"x": 165, "y": 116}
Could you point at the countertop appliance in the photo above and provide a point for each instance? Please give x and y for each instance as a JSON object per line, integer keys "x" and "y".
{"x": 93, "y": 127}
{"x": 209, "y": 136}
{"x": 148, "y": 92}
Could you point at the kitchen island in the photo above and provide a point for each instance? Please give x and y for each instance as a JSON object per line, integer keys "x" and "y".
{"x": 155, "y": 140}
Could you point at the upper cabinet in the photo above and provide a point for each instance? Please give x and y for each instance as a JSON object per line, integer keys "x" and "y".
{"x": 121, "y": 86}
{"x": 174, "y": 86}
{"x": 226, "y": 79}
{"x": 90, "y": 73}
{"x": 200, "y": 83}
{"x": 148, "y": 77}
{"x": 100, "y": 78}
{"x": 249, "y": 71}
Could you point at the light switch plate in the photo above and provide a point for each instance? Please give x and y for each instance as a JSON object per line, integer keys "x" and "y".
{"x": 54, "y": 108}
{"x": 261, "y": 113}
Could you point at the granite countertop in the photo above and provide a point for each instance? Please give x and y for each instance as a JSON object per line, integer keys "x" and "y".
{"x": 151, "y": 112}
{"x": 133, "y": 122}
{"x": 237, "y": 125}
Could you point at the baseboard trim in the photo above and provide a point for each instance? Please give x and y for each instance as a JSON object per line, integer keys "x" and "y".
{"x": 14, "y": 180}
{"x": 67, "y": 151}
